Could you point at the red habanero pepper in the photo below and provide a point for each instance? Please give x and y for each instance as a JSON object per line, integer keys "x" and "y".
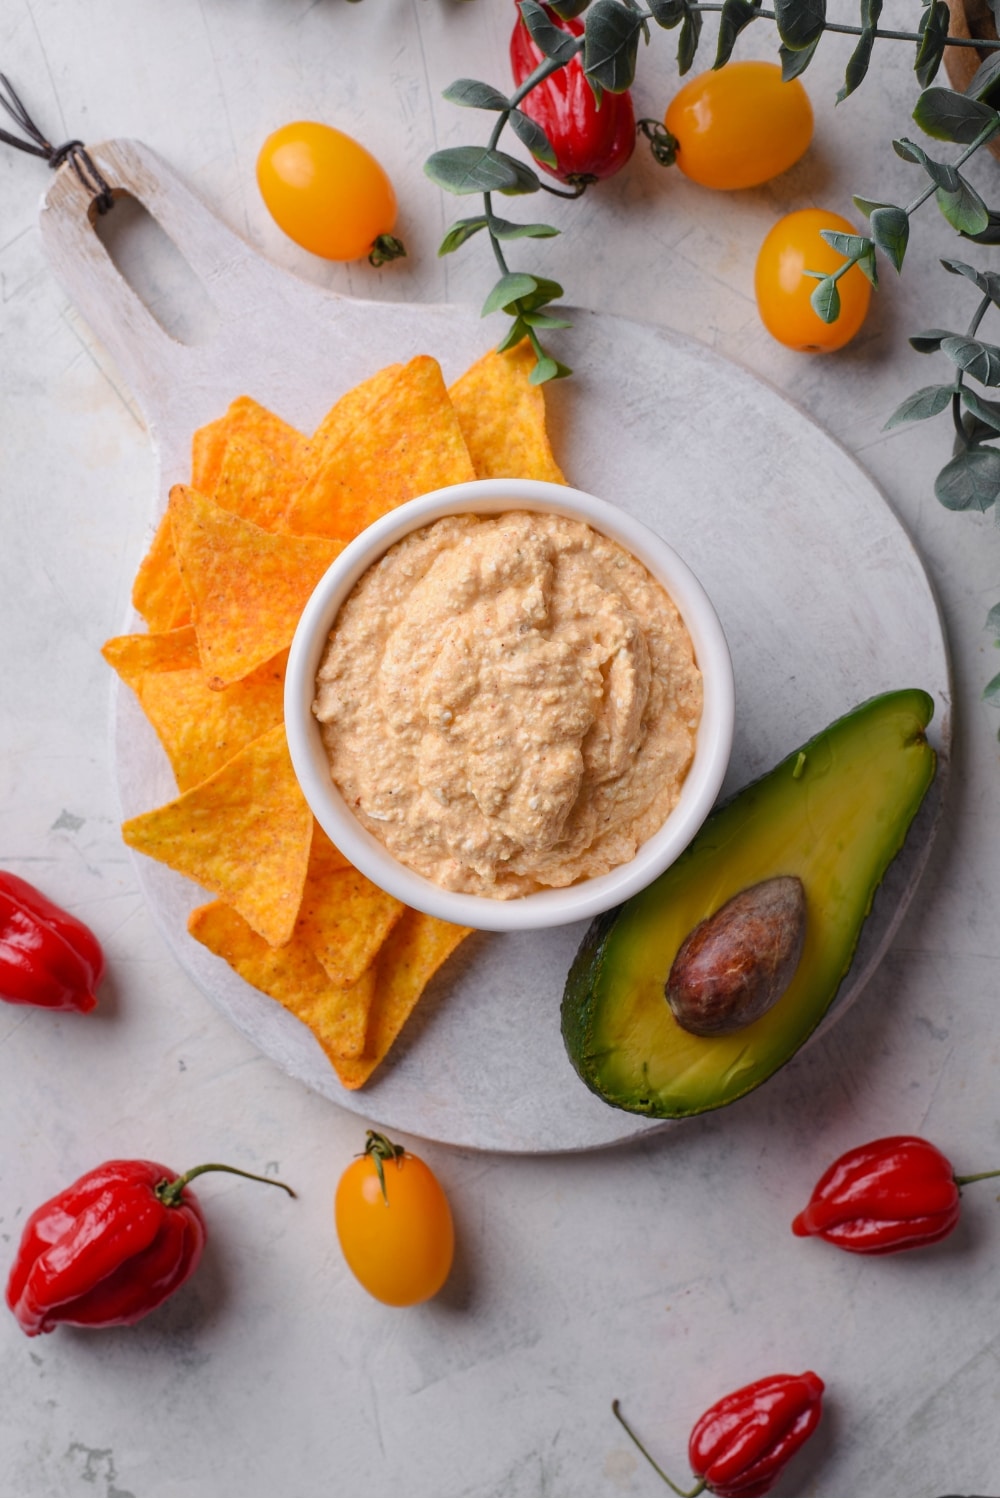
{"x": 590, "y": 141}
{"x": 47, "y": 957}
{"x": 111, "y": 1247}
{"x": 740, "y": 1445}
{"x": 892, "y": 1194}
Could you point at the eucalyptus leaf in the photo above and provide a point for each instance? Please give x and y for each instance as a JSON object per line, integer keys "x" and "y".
{"x": 868, "y": 266}
{"x": 987, "y": 281}
{"x": 980, "y": 360}
{"x": 459, "y": 232}
{"x": 891, "y": 232}
{"x": 800, "y": 23}
{"x": 909, "y": 150}
{"x": 868, "y": 205}
{"x": 736, "y": 15}
{"x": 930, "y": 341}
{"x": 551, "y": 40}
{"x": 793, "y": 64}
{"x": 983, "y": 82}
{"x": 505, "y": 229}
{"x": 515, "y": 333}
{"x": 611, "y": 43}
{"x": 963, "y": 208}
{"x": 949, "y": 116}
{"x": 570, "y": 9}
{"x": 475, "y": 95}
{"x": 971, "y": 481}
{"x": 927, "y": 402}
{"x": 993, "y": 621}
{"x": 544, "y": 291}
{"x": 531, "y": 134}
{"x": 548, "y": 369}
{"x": 542, "y": 320}
{"x": 933, "y": 33}
{"x": 479, "y": 169}
{"x": 825, "y": 300}
{"x": 850, "y": 246}
{"x": 857, "y": 63}
{"x": 511, "y": 288}
{"x": 668, "y": 13}
{"x": 991, "y": 692}
{"x": 942, "y": 174}
{"x": 687, "y": 42}
{"x": 986, "y": 411}
{"x": 991, "y": 234}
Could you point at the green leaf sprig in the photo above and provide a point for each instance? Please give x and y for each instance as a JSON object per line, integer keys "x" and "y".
{"x": 608, "y": 50}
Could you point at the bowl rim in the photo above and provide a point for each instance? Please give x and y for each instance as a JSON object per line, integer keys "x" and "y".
{"x": 555, "y": 906}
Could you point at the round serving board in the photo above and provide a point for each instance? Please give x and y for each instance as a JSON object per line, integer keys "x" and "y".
{"x": 822, "y": 596}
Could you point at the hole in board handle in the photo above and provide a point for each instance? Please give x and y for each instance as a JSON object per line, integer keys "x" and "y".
{"x": 157, "y": 271}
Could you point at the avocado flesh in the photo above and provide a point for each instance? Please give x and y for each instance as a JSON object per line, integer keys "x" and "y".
{"x": 835, "y": 813}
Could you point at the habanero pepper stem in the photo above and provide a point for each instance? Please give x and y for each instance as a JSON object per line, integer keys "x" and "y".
{"x": 687, "y": 1494}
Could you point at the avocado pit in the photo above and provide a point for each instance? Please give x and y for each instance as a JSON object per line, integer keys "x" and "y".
{"x": 736, "y": 964}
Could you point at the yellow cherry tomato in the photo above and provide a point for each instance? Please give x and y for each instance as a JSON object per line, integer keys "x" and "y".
{"x": 328, "y": 193}
{"x": 795, "y": 246}
{"x": 394, "y": 1224}
{"x": 739, "y": 125}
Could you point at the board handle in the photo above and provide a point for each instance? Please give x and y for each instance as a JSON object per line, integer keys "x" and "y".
{"x": 152, "y": 361}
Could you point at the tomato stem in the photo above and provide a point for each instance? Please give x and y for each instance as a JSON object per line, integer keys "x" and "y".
{"x": 688, "y": 1494}
{"x": 381, "y": 1149}
{"x": 385, "y": 248}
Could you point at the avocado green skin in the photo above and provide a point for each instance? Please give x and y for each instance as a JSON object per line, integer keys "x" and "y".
{"x": 835, "y": 813}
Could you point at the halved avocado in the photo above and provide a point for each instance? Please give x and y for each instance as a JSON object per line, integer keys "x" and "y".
{"x": 834, "y": 813}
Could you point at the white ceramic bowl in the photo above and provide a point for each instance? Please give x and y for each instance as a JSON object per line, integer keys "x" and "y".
{"x": 546, "y": 908}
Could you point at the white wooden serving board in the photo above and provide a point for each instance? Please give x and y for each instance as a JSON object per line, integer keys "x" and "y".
{"x": 821, "y": 594}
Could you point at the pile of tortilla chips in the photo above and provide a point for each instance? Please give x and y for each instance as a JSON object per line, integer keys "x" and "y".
{"x": 234, "y": 560}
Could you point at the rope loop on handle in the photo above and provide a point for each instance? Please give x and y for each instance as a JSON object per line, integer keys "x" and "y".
{"x": 36, "y": 144}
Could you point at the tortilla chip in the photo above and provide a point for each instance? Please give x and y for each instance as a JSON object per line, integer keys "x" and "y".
{"x": 416, "y": 948}
{"x": 247, "y": 586}
{"x": 337, "y": 1017}
{"x": 158, "y": 593}
{"x": 132, "y": 656}
{"x": 345, "y": 919}
{"x": 208, "y": 447}
{"x": 502, "y": 417}
{"x": 244, "y": 418}
{"x": 405, "y": 444}
{"x": 199, "y": 727}
{"x": 257, "y": 482}
{"x": 344, "y": 417}
{"x": 244, "y": 834}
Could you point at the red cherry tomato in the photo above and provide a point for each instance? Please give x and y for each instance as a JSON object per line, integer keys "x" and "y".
{"x": 739, "y": 125}
{"x": 394, "y": 1224}
{"x": 795, "y": 246}
{"x": 328, "y": 193}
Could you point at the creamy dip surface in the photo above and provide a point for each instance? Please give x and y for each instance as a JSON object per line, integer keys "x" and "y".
{"x": 509, "y": 702}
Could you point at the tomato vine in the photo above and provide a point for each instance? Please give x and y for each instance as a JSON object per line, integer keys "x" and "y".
{"x": 608, "y": 49}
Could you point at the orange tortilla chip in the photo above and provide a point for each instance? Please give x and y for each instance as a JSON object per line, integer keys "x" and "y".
{"x": 416, "y": 948}
{"x": 408, "y": 442}
{"x": 352, "y": 409}
{"x": 158, "y": 593}
{"x": 247, "y": 586}
{"x": 337, "y": 1017}
{"x": 132, "y": 656}
{"x": 244, "y": 418}
{"x": 502, "y": 417}
{"x": 345, "y": 919}
{"x": 244, "y": 834}
{"x": 199, "y": 727}
{"x": 257, "y": 481}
